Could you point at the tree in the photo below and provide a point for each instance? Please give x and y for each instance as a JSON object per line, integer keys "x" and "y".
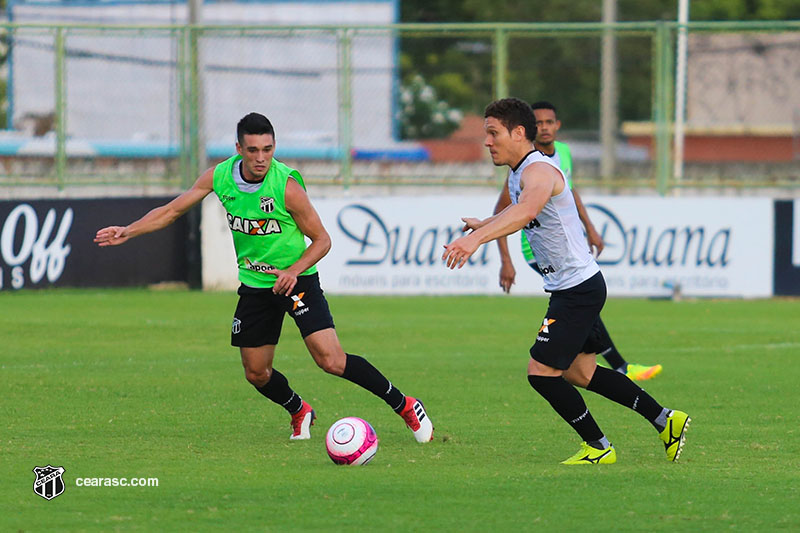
{"x": 563, "y": 69}
{"x": 422, "y": 115}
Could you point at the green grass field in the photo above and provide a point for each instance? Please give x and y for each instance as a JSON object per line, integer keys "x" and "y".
{"x": 135, "y": 383}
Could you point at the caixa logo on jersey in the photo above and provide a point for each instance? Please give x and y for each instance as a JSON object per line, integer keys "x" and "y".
{"x": 48, "y": 483}
{"x": 637, "y": 245}
{"x": 40, "y": 246}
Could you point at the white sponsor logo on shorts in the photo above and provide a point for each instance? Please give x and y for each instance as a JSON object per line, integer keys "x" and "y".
{"x": 546, "y": 322}
{"x": 297, "y": 301}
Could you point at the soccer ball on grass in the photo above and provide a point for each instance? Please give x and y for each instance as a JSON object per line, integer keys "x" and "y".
{"x": 351, "y": 441}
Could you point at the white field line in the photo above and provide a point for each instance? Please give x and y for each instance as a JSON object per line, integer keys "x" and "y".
{"x": 133, "y": 361}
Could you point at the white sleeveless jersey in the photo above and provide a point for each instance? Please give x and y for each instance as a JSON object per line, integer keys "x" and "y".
{"x": 556, "y": 234}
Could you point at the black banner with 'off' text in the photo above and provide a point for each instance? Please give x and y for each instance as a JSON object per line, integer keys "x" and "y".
{"x": 48, "y": 243}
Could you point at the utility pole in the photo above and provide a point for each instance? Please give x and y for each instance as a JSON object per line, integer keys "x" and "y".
{"x": 680, "y": 89}
{"x": 197, "y": 145}
{"x": 196, "y": 86}
{"x": 608, "y": 92}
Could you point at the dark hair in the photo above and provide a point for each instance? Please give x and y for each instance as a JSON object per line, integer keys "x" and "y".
{"x": 253, "y": 124}
{"x": 513, "y": 112}
{"x": 544, "y": 104}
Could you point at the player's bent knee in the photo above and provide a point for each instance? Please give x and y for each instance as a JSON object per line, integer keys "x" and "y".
{"x": 331, "y": 365}
{"x": 259, "y": 378}
{"x": 581, "y": 370}
{"x": 535, "y": 368}
{"x": 578, "y": 379}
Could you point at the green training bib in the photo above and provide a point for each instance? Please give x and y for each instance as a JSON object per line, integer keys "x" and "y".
{"x": 265, "y": 235}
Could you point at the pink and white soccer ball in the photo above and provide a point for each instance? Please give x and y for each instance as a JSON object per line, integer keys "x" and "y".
{"x": 351, "y": 441}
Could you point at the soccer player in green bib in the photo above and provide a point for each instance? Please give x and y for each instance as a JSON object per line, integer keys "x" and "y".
{"x": 547, "y": 126}
{"x": 270, "y": 215}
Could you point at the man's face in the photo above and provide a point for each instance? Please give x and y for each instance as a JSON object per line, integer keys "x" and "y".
{"x": 547, "y": 125}
{"x": 500, "y": 141}
{"x": 256, "y": 152}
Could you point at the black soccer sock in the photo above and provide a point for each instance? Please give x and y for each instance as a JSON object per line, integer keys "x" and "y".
{"x": 615, "y": 360}
{"x": 610, "y": 352}
{"x": 569, "y": 404}
{"x": 362, "y": 373}
{"x": 619, "y": 388}
{"x": 277, "y": 389}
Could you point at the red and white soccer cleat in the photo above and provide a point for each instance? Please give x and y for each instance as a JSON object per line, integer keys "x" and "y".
{"x": 417, "y": 420}
{"x": 302, "y": 421}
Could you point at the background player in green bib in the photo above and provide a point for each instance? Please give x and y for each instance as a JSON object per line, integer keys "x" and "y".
{"x": 547, "y": 126}
{"x": 270, "y": 216}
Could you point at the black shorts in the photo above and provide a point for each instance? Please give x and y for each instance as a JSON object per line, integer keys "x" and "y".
{"x": 599, "y": 341}
{"x": 568, "y": 326}
{"x": 259, "y": 313}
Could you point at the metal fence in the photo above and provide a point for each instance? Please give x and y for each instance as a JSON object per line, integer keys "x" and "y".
{"x": 142, "y": 105}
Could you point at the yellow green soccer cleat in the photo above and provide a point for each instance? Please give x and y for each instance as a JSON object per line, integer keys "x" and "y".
{"x": 588, "y": 455}
{"x": 642, "y": 372}
{"x": 674, "y": 435}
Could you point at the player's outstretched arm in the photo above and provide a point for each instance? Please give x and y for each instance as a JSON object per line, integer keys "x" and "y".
{"x": 596, "y": 244}
{"x": 539, "y": 182}
{"x": 160, "y": 217}
{"x": 508, "y": 273}
{"x": 299, "y": 206}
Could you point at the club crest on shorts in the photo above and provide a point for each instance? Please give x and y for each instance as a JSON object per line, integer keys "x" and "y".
{"x": 267, "y": 204}
{"x": 236, "y": 327}
{"x": 48, "y": 483}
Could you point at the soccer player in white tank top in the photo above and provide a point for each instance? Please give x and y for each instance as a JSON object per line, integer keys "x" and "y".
{"x": 562, "y": 356}
{"x": 547, "y": 127}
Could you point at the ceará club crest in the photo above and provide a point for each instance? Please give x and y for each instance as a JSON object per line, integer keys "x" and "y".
{"x": 267, "y": 204}
{"x": 48, "y": 483}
